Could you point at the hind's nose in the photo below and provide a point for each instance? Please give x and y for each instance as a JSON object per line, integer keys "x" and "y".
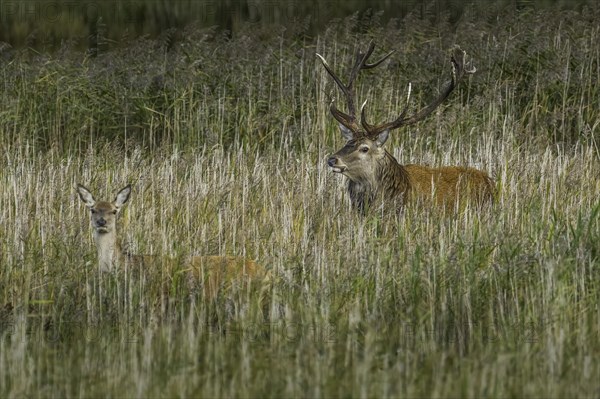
{"x": 332, "y": 161}
{"x": 101, "y": 222}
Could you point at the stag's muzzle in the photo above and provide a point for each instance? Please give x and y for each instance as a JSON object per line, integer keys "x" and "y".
{"x": 335, "y": 165}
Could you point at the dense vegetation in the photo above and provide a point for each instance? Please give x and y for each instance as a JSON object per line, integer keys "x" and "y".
{"x": 224, "y": 138}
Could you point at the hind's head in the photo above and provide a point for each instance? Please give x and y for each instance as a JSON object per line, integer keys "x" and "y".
{"x": 104, "y": 213}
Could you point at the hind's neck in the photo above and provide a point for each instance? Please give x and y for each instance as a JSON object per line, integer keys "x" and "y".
{"x": 109, "y": 251}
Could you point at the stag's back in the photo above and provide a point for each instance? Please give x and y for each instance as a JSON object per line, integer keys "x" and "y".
{"x": 450, "y": 186}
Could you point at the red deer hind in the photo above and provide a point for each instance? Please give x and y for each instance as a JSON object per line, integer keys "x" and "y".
{"x": 214, "y": 272}
{"x": 374, "y": 174}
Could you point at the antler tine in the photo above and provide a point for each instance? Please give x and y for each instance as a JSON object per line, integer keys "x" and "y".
{"x": 373, "y": 130}
{"x": 361, "y": 59}
{"x": 458, "y": 71}
{"x": 333, "y": 75}
{"x": 374, "y": 64}
{"x": 349, "y": 119}
{"x": 361, "y": 63}
{"x": 363, "y": 120}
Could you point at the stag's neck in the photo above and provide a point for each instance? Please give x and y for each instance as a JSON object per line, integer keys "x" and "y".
{"x": 390, "y": 184}
{"x": 110, "y": 256}
{"x": 393, "y": 179}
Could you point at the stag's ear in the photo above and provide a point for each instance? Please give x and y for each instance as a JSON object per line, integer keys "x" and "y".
{"x": 123, "y": 196}
{"x": 86, "y": 196}
{"x": 382, "y": 137}
{"x": 346, "y": 133}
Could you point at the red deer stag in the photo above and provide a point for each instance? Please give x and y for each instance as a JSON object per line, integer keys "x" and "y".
{"x": 374, "y": 174}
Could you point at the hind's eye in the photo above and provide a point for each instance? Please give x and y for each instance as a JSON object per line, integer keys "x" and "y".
{"x": 93, "y": 210}
{"x": 114, "y": 212}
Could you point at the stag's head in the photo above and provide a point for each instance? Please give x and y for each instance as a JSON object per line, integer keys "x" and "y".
{"x": 358, "y": 159}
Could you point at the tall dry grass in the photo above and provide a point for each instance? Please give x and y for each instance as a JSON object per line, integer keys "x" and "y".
{"x": 230, "y": 160}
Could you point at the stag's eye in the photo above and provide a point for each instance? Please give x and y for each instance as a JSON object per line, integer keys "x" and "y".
{"x": 364, "y": 149}
{"x": 114, "y": 212}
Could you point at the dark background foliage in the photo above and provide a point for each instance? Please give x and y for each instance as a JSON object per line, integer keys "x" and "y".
{"x": 197, "y": 72}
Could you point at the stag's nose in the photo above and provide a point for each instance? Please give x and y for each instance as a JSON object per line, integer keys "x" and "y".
{"x": 332, "y": 161}
{"x": 101, "y": 222}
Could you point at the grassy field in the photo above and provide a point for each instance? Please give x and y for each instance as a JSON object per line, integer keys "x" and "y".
{"x": 224, "y": 140}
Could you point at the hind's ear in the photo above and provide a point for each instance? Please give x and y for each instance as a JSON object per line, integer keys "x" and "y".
{"x": 86, "y": 196}
{"x": 123, "y": 196}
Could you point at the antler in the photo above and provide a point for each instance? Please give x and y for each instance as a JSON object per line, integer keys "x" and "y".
{"x": 458, "y": 71}
{"x": 349, "y": 119}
